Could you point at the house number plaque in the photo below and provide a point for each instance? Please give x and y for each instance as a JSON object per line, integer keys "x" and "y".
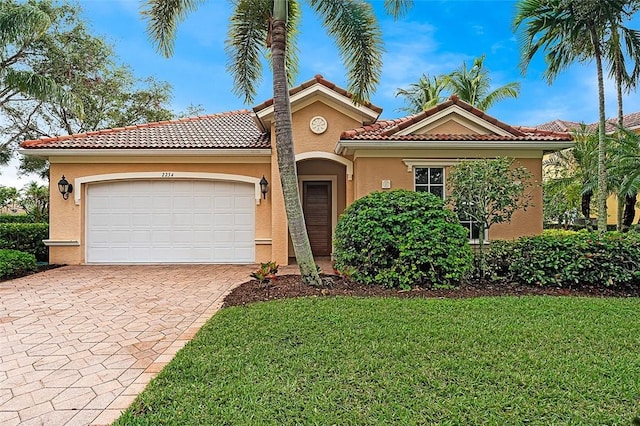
{"x": 167, "y": 174}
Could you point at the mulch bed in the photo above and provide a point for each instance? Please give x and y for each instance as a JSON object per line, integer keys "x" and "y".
{"x": 290, "y": 286}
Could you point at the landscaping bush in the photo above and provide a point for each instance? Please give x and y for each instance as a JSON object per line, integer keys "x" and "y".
{"x": 26, "y": 237}
{"x": 14, "y": 263}
{"x": 573, "y": 259}
{"x": 14, "y": 218}
{"x": 498, "y": 259}
{"x": 402, "y": 239}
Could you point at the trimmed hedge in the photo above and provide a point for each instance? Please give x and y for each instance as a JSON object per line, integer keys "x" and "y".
{"x": 402, "y": 239}
{"x": 570, "y": 259}
{"x": 15, "y": 218}
{"x": 14, "y": 263}
{"x": 26, "y": 237}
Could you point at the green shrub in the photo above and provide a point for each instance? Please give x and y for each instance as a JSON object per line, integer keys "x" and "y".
{"x": 14, "y": 218}
{"x": 498, "y": 259}
{"x": 14, "y": 263}
{"x": 26, "y": 237}
{"x": 401, "y": 239}
{"x": 566, "y": 259}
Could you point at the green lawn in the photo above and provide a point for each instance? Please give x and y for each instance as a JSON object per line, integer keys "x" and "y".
{"x": 504, "y": 360}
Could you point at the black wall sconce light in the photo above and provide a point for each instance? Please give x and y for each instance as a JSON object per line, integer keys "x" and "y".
{"x": 65, "y": 188}
{"x": 264, "y": 185}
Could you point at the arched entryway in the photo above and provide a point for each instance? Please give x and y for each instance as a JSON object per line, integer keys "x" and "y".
{"x": 323, "y": 189}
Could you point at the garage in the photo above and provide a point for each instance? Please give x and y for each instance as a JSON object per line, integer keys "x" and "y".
{"x": 170, "y": 221}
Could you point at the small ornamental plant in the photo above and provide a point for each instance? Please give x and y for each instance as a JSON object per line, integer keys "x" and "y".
{"x": 266, "y": 273}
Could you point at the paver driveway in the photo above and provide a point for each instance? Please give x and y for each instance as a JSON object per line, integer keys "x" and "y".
{"x": 78, "y": 343}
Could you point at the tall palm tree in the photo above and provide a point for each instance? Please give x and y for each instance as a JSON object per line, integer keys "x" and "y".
{"x": 473, "y": 85}
{"x": 570, "y": 30}
{"x": 623, "y": 45}
{"x": 272, "y": 23}
{"x": 424, "y": 94}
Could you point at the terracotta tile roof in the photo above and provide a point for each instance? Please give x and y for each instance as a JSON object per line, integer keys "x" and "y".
{"x": 388, "y": 129}
{"x": 317, "y": 79}
{"x": 630, "y": 121}
{"x": 230, "y": 130}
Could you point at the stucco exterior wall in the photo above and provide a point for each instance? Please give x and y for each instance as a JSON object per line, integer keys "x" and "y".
{"x": 371, "y": 171}
{"x": 67, "y": 221}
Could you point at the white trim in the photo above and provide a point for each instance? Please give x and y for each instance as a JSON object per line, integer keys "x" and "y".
{"x": 328, "y": 156}
{"x": 166, "y": 175}
{"x": 334, "y": 195}
{"x": 480, "y": 124}
{"x": 444, "y": 162}
{"x": 344, "y": 146}
{"x": 325, "y": 91}
{"x": 61, "y": 243}
{"x": 263, "y": 241}
{"x": 52, "y": 152}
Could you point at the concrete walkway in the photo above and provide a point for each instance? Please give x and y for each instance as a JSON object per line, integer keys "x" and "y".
{"x": 78, "y": 343}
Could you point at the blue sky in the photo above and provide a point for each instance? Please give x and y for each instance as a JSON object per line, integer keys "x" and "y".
{"x": 434, "y": 38}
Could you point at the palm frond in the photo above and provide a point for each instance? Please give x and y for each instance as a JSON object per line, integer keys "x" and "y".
{"x": 397, "y": 8}
{"x": 359, "y": 40}
{"x": 163, "y": 17}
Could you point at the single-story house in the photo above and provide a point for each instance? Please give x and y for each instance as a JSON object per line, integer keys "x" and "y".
{"x": 190, "y": 191}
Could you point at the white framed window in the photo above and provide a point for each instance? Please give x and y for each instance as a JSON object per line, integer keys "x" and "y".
{"x": 432, "y": 179}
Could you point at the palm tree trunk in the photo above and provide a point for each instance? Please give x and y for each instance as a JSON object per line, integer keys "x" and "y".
{"x": 629, "y": 212}
{"x": 618, "y": 73}
{"x": 586, "y": 208}
{"x": 284, "y": 148}
{"x": 602, "y": 143}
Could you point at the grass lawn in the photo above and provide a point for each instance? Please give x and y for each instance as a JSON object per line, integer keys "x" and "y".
{"x": 500, "y": 360}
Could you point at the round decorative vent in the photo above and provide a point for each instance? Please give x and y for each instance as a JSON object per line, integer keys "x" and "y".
{"x": 318, "y": 125}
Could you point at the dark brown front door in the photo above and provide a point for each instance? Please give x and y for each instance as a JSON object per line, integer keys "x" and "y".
{"x": 316, "y": 203}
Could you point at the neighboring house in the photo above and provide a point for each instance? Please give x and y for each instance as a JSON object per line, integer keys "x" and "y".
{"x": 629, "y": 121}
{"x": 189, "y": 190}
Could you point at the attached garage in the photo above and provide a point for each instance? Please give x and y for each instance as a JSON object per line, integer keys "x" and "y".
{"x": 170, "y": 221}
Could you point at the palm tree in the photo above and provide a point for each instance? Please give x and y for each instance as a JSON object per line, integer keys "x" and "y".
{"x": 570, "y": 30}
{"x": 577, "y": 165}
{"x": 626, "y": 168}
{"x": 256, "y": 23}
{"x": 473, "y": 86}
{"x": 617, "y": 56}
{"x": 424, "y": 94}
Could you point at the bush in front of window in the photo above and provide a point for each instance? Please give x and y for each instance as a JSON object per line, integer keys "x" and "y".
{"x": 402, "y": 239}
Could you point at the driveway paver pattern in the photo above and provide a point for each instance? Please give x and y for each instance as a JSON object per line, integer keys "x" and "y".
{"x": 78, "y": 343}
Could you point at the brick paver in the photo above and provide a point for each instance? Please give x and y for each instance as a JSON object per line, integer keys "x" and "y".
{"x": 78, "y": 343}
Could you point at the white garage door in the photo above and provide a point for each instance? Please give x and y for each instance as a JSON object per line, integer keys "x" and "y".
{"x": 170, "y": 222}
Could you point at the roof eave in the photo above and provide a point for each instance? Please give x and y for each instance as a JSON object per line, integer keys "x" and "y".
{"x": 347, "y": 146}
{"x": 184, "y": 152}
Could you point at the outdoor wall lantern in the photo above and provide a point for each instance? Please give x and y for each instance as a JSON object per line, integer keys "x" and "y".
{"x": 65, "y": 188}
{"x": 263, "y": 187}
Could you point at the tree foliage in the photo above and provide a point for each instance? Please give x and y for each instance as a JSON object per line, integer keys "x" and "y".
{"x": 488, "y": 191}
{"x": 68, "y": 55}
{"x": 472, "y": 85}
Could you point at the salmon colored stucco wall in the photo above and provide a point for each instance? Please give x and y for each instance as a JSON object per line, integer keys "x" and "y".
{"x": 371, "y": 171}
{"x": 306, "y": 141}
{"x": 67, "y": 221}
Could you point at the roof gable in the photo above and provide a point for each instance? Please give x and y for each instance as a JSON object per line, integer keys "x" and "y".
{"x": 320, "y": 90}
